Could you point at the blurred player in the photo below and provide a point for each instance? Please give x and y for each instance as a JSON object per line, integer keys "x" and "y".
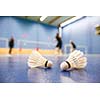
{"x": 11, "y": 44}
{"x": 59, "y": 44}
{"x": 72, "y": 46}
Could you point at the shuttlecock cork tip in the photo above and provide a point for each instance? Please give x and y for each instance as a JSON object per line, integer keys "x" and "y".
{"x": 49, "y": 64}
{"x": 64, "y": 66}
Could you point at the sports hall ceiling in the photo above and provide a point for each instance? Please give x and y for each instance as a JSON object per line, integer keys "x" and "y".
{"x": 50, "y": 20}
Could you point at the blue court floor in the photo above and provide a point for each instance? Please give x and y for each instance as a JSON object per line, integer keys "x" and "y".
{"x": 14, "y": 69}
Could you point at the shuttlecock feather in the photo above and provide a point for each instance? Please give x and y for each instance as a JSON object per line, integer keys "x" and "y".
{"x": 75, "y": 60}
{"x": 37, "y": 60}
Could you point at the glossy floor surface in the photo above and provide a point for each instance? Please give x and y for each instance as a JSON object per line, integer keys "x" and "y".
{"x": 14, "y": 69}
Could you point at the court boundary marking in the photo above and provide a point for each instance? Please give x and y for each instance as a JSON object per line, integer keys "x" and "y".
{"x": 51, "y": 55}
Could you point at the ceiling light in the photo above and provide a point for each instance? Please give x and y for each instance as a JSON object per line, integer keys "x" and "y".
{"x": 42, "y": 18}
{"x": 60, "y": 31}
{"x": 70, "y": 21}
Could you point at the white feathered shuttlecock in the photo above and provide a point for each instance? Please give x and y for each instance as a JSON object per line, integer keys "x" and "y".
{"x": 75, "y": 60}
{"x": 37, "y": 60}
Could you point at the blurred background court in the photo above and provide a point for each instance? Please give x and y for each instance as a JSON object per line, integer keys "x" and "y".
{"x": 30, "y": 33}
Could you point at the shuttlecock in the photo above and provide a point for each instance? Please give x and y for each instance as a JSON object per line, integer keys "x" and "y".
{"x": 75, "y": 60}
{"x": 37, "y": 60}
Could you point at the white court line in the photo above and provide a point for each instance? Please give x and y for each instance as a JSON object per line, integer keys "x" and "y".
{"x": 7, "y": 55}
{"x": 93, "y": 55}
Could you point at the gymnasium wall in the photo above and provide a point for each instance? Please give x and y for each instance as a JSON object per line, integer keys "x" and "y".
{"x": 82, "y": 32}
{"x": 22, "y": 29}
